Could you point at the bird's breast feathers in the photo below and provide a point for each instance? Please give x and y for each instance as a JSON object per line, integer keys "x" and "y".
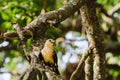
{"x": 48, "y": 55}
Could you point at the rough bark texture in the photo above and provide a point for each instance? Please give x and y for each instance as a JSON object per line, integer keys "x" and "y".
{"x": 89, "y": 68}
{"x": 95, "y": 38}
{"x": 39, "y": 26}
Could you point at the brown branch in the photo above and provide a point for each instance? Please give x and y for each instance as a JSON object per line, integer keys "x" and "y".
{"x": 75, "y": 75}
{"x": 18, "y": 30}
{"x": 100, "y": 8}
{"x": 95, "y": 37}
{"x": 89, "y": 68}
{"x": 109, "y": 15}
{"x": 30, "y": 74}
{"x": 41, "y": 24}
{"x": 109, "y": 20}
{"x": 114, "y": 9}
{"x": 106, "y": 17}
{"x": 47, "y": 69}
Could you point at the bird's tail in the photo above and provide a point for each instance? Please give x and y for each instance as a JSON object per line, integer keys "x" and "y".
{"x": 55, "y": 69}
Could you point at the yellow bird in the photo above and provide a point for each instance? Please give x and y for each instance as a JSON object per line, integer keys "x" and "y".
{"x": 49, "y": 55}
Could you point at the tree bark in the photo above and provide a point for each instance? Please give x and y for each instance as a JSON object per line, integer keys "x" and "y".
{"x": 95, "y": 38}
{"x": 89, "y": 68}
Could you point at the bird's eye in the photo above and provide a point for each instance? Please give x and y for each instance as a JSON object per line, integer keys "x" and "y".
{"x": 50, "y": 40}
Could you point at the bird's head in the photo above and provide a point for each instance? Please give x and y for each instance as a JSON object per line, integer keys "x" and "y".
{"x": 50, "y": 43}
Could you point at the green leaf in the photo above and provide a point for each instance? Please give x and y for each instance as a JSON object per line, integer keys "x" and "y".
{"x": 114, "y": 73}
{"x": 6, "y": 25}
{"x": 5, "y": 16}
{"x": 29, "y": 41}
{"x": 53, "y": 32}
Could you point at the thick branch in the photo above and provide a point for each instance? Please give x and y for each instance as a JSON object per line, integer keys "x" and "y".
{"x": 95, "y": 38}
{"x": 56, "y": 15}
{"x": 40, "y": 24}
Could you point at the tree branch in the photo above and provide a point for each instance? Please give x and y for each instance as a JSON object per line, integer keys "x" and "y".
{"x": 89, "y": 68}
{"x": 75, "y": 75}
{"x": 114, "y": 9}
{"x": 39, "y": 26}
{"x": 95, "y": 37}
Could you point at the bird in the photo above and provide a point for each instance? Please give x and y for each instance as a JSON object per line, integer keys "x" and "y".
{"x": 49, "y": 55}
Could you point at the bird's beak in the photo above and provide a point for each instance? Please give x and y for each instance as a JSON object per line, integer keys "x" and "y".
{"x": 54, "y": 43}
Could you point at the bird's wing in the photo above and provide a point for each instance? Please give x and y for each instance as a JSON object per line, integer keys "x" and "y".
{"x": 55, "y": 58}
{"x": 40, "y": 57}
{"x": 55, "y": 68}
